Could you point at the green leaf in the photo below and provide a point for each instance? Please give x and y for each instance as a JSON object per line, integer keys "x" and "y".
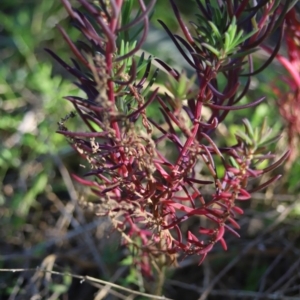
{"x": 122, "y": 48}
{"x": 212, "y": 49}
{"x": 264, "y": 142}
{"x": 246, "y": 37}
{"x": 237, "y": 37}
{"x": 25, "y": 202}
{"x": 242, "y": 135}
{"x": 234, "y": 162}
{"x": 243, "y": 53}
{"x": 67, "y": 279}
{"x": 126, "y": 11}
{"x": 227, "y": 44}
{"x": 215, "y": 29}
{"x": 59, "y": 288}
{"x": 248, "y": 128}
{"x": 152, "y": 80}
{"x": 232, "y": 33}
{"x": 127, "y": 261}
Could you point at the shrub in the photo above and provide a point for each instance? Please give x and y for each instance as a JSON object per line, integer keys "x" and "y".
{"x": 147, "y": 191}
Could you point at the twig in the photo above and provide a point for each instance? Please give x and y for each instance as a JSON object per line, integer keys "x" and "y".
{"x": 284, "y": 277}
{"x": 278, "y": 197}
{"x": 16, "y": 288}
{"x": 104, "y": 290}
{"x": 71, "y": 234}
{"x": 232, "y": 293}
{"x": 73, "y": 195}
{"x": 160, "y": 281}
{"x": 112, "y": 292}
{"x": 279, "y": 219}
{"x": 289, "y": 284}
{"x": 89, "y": 279}
{"x": 271, "y": 267}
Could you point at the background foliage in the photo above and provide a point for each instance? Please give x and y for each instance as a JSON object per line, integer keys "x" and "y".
{"x": 41, "y": 222}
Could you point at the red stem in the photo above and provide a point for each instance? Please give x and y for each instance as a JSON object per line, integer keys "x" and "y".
{"x": 287, "y": 64}
{"x": 241, "y": 8}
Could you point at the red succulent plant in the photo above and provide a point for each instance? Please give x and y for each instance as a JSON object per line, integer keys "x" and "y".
{"x": 147, "y": 192}
{"x": 289, "y": 100}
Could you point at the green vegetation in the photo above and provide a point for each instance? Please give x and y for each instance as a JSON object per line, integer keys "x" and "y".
{"x": 41, "y": 222}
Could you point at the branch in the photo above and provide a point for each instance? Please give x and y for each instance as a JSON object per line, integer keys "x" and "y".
{"x": 89, "y": 279}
